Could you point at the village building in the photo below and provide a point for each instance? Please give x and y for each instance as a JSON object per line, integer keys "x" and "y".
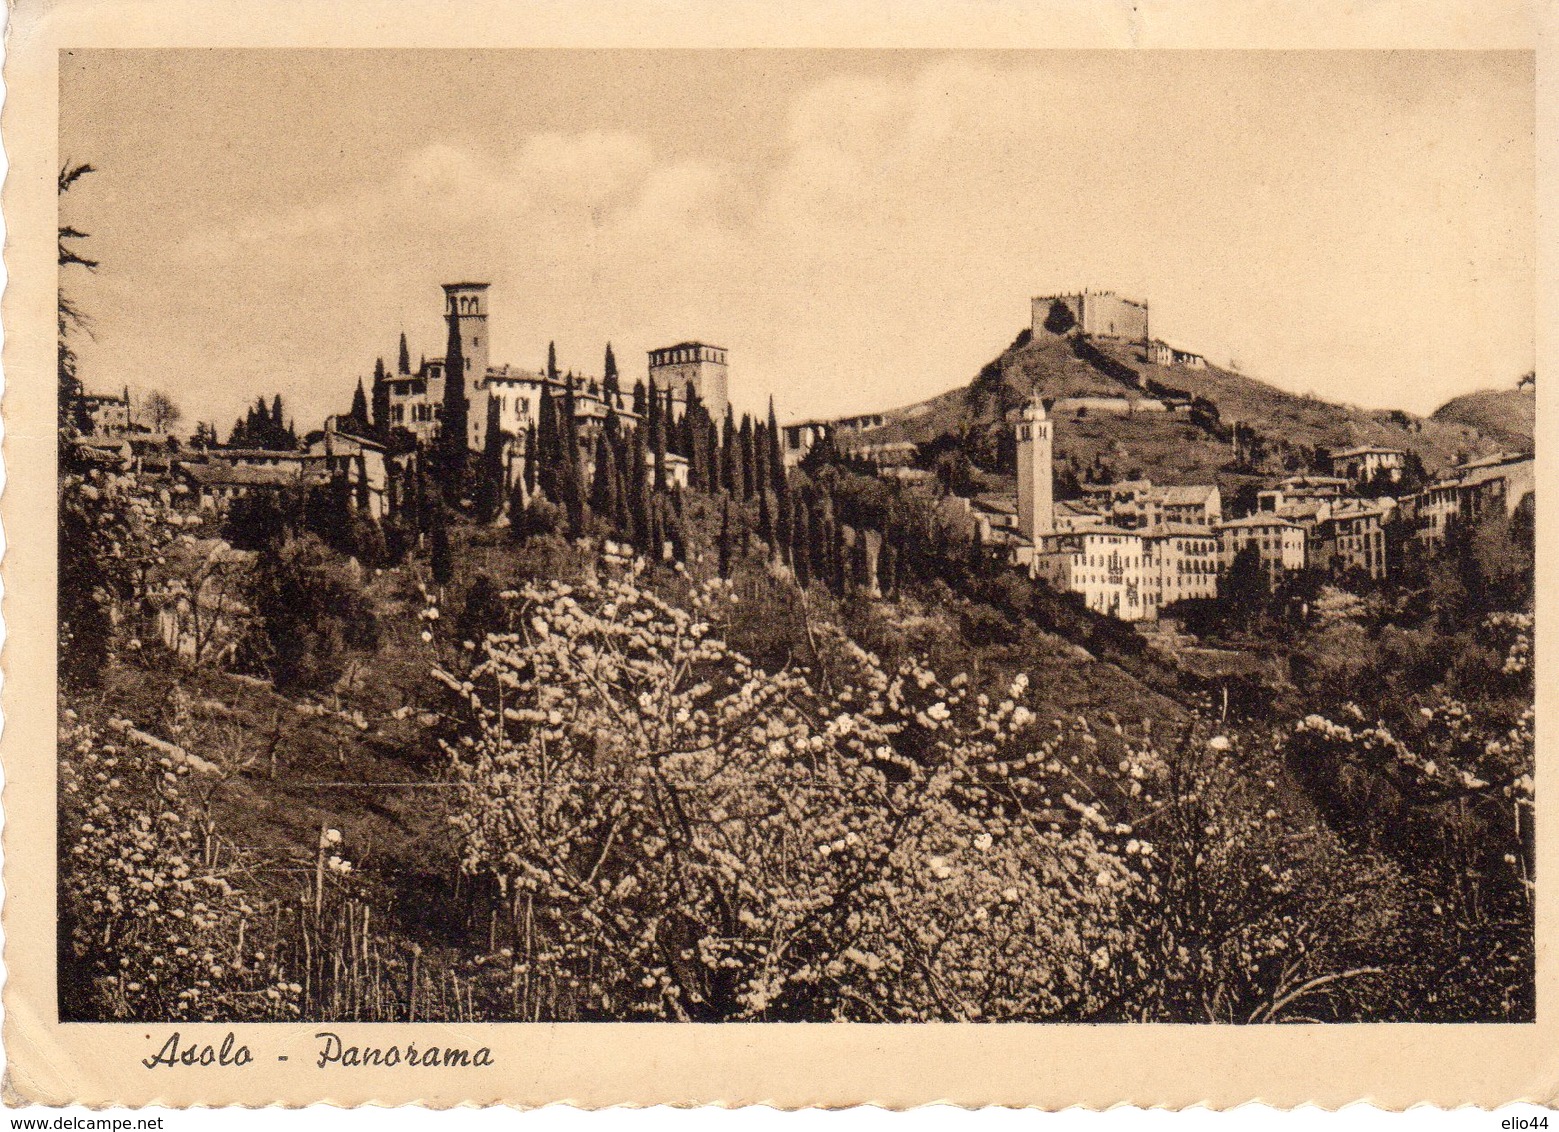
{"x": 1161, "y": 353}
{"x": 1109, "y": 405}
{"x": 1300, "y": 489}
{"x": 1366, "y": 461}
{"x": 415, "y": 401}
{"x": 799, "y": 438}
{"x": 229, "y": 474}
{"x": 1142, "y": 503}
{"x": 1352, "y": 539}
{"x": 1492, "y": 485}
{"x": 883, "y": 454}
{"x": 1279, "y": 543}
{"x": 1071, "y": 515}
{"x": 367, "y": 468}
{"x": 1133, "y": 574}
{"x": 108, "y": 414}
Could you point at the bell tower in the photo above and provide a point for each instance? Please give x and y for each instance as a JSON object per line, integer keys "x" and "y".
{"x": 1036, "y": 491}
{"x": 467, "y": 303}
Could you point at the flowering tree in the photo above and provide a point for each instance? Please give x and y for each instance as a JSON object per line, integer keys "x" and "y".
{"x": 152, "y": 926}
{"x": 677, "y": 834}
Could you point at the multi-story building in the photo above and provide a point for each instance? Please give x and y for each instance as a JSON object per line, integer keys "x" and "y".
{"x": 416, "y": 400}
{"x": 797, "y": 439}
{"x": 1366, "y": 461}
{"x": 1141, "y": 503}
{"x": 1469, "y": 491}
{"x": 108, "y": 414}
{"x": 1351, "y": 539}
{"x": 1300, "y": 489}
{"x": 1132, "y": 574}
{"x": 1279, "y": 543}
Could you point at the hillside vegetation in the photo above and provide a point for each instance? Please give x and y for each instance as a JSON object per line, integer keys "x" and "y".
{"x": 1506, "y": 415}
{"x": 1196, "y": 444}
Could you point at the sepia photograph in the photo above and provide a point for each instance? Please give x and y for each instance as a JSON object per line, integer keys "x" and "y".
{"x": 795, "y": 536}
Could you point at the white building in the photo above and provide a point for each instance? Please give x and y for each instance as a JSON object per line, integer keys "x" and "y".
{"x": 1278, "y": 542}
{"x": 1132, "y": 575}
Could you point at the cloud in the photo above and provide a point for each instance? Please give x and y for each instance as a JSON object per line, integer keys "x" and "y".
{"x": 884, "y": 242}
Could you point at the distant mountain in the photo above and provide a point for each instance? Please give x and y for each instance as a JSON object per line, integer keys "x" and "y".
{"x": 1120, "y": 415}
{"x": 1506, "y": 415}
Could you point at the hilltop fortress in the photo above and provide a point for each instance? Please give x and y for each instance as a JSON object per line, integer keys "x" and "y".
{"x": 1100, "y": 314}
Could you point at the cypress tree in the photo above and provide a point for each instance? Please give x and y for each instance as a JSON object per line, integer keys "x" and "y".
{"x": 491, "y": 486}
{"x": 657, "y": 424}
{"x": 801, "y": 547}
{"x": 887, "y": 568}
{"x": 725, "y": 540}
{"x": 760, "y": 457}
{"x": 657, "y": 530}
{"x": 782, "y": 525}
{"x": 358, "y": 417}
{"x": 621, "y": 519}
{"x": 277, "y": 419}
{"x": 568, "y": 429}
{"x": 547, "y": 445}
{"x": 530, "y": 460}
{"x": 821, "y": 543}
{"x": 609, "y": 385}
{"x": 380, "y": 406}
{"x": 639, "y": 398}
{"x": 765, "y": 521}
{"x": 638, "y": 503}
{"x": 404, "y": 364}
{"x": 443, "y": 563}
{"x": 749, "y": 475}
{"x": 552, "y": 361}
{"x": 603, "y": 488}
{"x": 362, "y": 483}
{"x": 776, "y": 453}
{"x": 452, "y": 435}
{"x": 728, "y": 471}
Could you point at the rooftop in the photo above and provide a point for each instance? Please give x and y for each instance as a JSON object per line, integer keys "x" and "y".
{"x": 687, "y": 346}
{"x": 243, "y": 475}
{"x": 1260, "y": 519}
{"x": 1363, "y": 450}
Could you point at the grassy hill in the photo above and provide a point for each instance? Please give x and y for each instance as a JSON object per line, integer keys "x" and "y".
{"x": 1506, "y": 415}
{"x": 1170, "y": 447}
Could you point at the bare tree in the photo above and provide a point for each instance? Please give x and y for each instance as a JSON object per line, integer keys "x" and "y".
{"x": 71, "y": 318}
{"x": 160, "y": 411}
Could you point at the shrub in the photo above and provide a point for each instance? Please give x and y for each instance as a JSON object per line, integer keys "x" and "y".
{"x": 312, "y": 610}
{"x": 152, "y": 928}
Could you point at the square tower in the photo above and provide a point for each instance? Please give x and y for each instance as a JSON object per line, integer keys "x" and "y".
{"x": 692, "y": 365}
{"x": 1036, "y": 490}
{"x": 467, "y": 302}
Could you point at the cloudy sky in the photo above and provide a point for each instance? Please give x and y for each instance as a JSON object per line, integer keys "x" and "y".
{"x": 859, "y": 230}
